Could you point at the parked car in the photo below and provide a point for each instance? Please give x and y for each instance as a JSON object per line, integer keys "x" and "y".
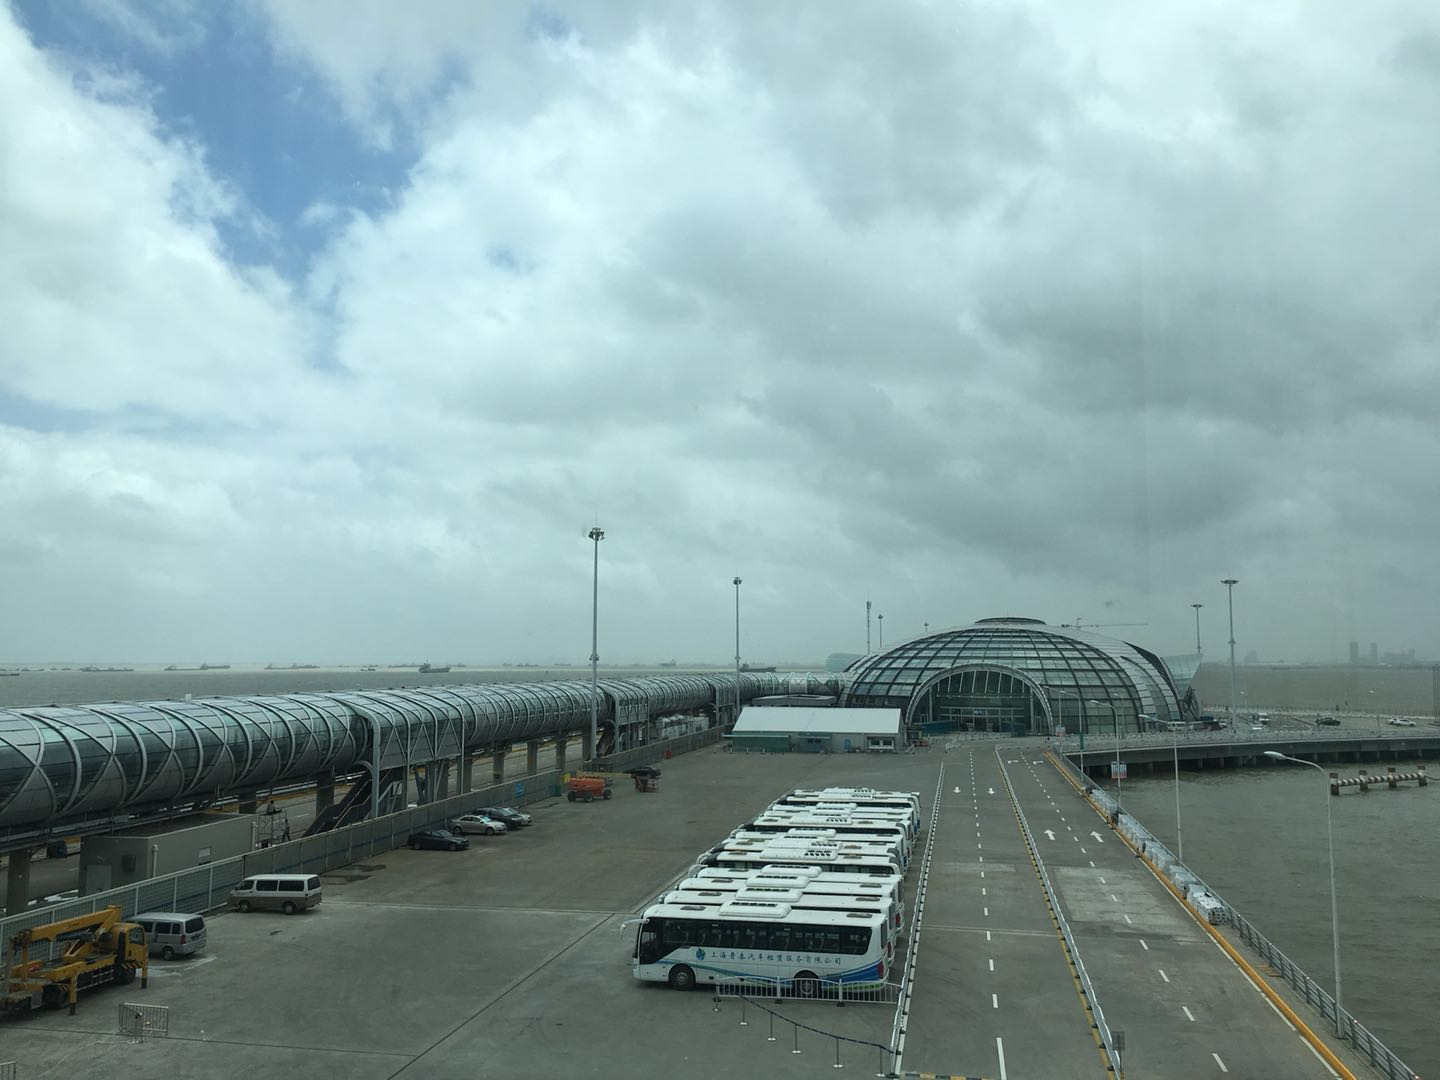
{"x": 478, "y": 823}
{"x": 437, "y": 840}
{"x": 1400, "y": 721}
{"x": 172, "y": 933}
{"x": 508, "y": 814}
{"x": 289, "y": 893}
{"x": 1328, "y": 721}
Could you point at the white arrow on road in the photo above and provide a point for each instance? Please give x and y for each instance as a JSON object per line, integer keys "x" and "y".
{"x": 957, "y": 791}
{"x": 1098, "y": 838}
{"x": 1049, "y": 834}
{"x": 991, "y": 790}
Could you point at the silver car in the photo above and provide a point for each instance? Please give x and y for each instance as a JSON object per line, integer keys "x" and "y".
{"x": 478, "y": 823}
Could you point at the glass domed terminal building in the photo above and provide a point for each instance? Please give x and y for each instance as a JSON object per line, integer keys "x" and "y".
{"x": 1020, "y": 676}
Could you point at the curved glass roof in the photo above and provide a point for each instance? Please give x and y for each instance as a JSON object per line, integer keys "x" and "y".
{"x": 1078, "y": 672}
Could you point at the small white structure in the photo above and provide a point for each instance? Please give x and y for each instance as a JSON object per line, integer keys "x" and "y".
{"x": 816, "y": 730}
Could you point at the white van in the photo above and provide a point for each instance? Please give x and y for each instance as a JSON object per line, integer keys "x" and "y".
{"x": 290, "y": 893}
{"x": 172, "y": 933}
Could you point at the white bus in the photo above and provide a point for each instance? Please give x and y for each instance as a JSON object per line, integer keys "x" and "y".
{"x": 863, "y": 830}
{"x": 805, "y": 952}
{"x": 812, "y": 877}
{"x": 787, "y": 842}
{"x": 838, "y": 801}
{"x": 791, "y": 837}
{"x": 869, "y": 895}
{"x": 748, "y": 857}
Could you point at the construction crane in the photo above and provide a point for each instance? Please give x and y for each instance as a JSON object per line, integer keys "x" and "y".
{"x": 99, "y": 948}
{"x": 1078, "y": 625}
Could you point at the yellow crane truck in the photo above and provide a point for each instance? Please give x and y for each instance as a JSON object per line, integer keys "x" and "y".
{"x": 98, "y": 948}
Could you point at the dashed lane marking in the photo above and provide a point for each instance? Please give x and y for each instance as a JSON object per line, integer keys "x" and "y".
{"x": 1188, "y": 1014}
{"x": 1219, "y": 1062}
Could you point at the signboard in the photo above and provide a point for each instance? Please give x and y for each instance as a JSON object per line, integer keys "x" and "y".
{"x": 1118, "y": 771}
{"x": 519, "y": 790}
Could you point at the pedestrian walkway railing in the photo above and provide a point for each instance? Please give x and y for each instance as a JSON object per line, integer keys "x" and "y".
{"x": 654, "y": 751}
{"x": 1097, "y": 742}
{"x": 8, "y": 1070}
{"x": 1348, "y": 1029}
{"x": 1092, "y": 1000}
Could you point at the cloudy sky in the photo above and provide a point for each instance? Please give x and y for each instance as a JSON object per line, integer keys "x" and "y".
{"x": 328, "y": 329}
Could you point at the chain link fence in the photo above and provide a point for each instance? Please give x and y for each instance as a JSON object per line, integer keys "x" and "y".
{"x": 141, "y": 1022}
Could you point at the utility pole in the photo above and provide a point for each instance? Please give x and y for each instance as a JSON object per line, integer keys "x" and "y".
{"x": 1230, "y": 584}
{"x": 596, "y": 534}
{"x": 867, "y": 627}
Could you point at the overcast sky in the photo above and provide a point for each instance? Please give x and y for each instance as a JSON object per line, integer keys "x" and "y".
{"x": 328, "y": 329}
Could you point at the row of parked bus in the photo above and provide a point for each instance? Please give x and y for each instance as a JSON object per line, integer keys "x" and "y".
{"x": 806, "y": 898}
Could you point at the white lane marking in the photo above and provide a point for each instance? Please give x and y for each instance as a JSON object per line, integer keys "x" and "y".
{"x": 987, "y": 935}
{"x": 990, "y": 791}
{"x": 1098, "y": 838}
{"x": 1114, "y": 897}
{"x": 1188, "y": 1014}
{"x": 982, "y": 873}
{"x": 1318, "y": 1058}
{"x": 1102, "y": 881}
{"x": 1219, "y": 1062}
{"x": 992, "y": 963}
{"x": 987, "y": 912}
{"x": 1049, "y": 834}
{"x": 1000, "y": 1049}
{"x": 994, "y": 1001}
{"x": 1163, "y": 975}
{"x": 957, "y": 790}
{"x": 1144, "y": 945}
{"x": 1126, "y": 918}
{"x": 983, "y": 892}
{"x": 1092, "y": 861}
{"x": 1083, "y": 851}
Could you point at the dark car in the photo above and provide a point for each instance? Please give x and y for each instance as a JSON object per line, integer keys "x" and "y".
{"x": 437, "y": 840}
{"x": 1328, "y": 721}
{"x": 508, "y": 814}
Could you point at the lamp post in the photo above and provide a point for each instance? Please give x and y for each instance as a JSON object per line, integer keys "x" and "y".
{"x": 1115, "y": 723}
{"x": 881, "y": 620}
{"x": 1198, "y": 650}
{"x": 1175, "y": 751}
{"x": 1230, "y": 584}
{"x": 736, "y": 583}
{"x": 867, "y": 627}
{"x": 1334, "y": 904}
{"x": 596, "y": 534}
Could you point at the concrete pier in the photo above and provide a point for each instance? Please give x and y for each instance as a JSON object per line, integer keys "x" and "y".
{"x": 17, "y": 881}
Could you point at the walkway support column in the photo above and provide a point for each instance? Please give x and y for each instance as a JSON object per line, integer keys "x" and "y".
{"x": 560, "y": 742}
{"x": 249, "y": 802}
{"x": 532, "y": 757}
{"x": 587, "y": 746}
{"x": 17, "y": 882}
{"x": 467, "y": 772}
{"x": 497, "y": 766}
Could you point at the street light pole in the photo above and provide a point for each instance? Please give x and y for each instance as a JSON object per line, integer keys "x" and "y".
{"x": 867, "y": 627}
{"x": 881, "y": 620}
{"x": 1230, "y": 584}
{"x": 596, "y": 534}
{"x": 1334, "y": 903}
{"x": 737, "y": 648}
{"x": 1198, "y": 650}
{"x": 1179, "y": 835}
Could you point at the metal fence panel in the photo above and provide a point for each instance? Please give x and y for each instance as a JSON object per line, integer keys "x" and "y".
{"x": 144, "y": 1021}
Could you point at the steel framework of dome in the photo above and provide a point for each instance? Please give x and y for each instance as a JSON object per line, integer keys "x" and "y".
{"x": 1021, "y": 676}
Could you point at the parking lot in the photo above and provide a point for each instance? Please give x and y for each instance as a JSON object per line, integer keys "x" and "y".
{"x": 509, "y": 959}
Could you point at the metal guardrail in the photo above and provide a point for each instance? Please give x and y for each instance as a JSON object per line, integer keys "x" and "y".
{"x": 912, "y": 950}
{"x": 830, "y": 990}
{"x": 1107, "y": 1037}
{"x": 1380, "y": 1056}
{"x": 796, "y": 1027}
{"x": 8, "y": 1070}
{"x": 142, "y": 1022}
{"x": 1152, "y": 740}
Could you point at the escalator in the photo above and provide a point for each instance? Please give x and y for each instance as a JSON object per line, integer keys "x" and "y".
{"x": 355, "y": 806}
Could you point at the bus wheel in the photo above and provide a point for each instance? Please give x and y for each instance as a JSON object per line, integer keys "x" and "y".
{"x": 807, "y": 985}
{"x": 681, "y": 978}
{"x": 570, "y": 795}
{"x": 243, "y": 906}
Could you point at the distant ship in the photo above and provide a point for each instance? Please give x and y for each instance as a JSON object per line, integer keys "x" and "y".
{"x": 284, "y": 667}
{"x": 756, "y": 667}
{"x": 177, "y": 667}
{"x": 4, "y": 673}
{"x": 105, "y": 670}
{"x": 434, "y": 669}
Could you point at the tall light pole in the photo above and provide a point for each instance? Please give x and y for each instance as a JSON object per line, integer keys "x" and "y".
{"x": 867, "y": 627}
{"x": 1197, "y": 607}
{"x": 1230, "y": 584}
{"x": 737, "y": 648}
{"x": 596, "y": 534}
{"x": 881, "y": 620}
{"x": 1334, "y": 904}
{"x": 1175, "y": 751}
{"x": 1115, "y": 723}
